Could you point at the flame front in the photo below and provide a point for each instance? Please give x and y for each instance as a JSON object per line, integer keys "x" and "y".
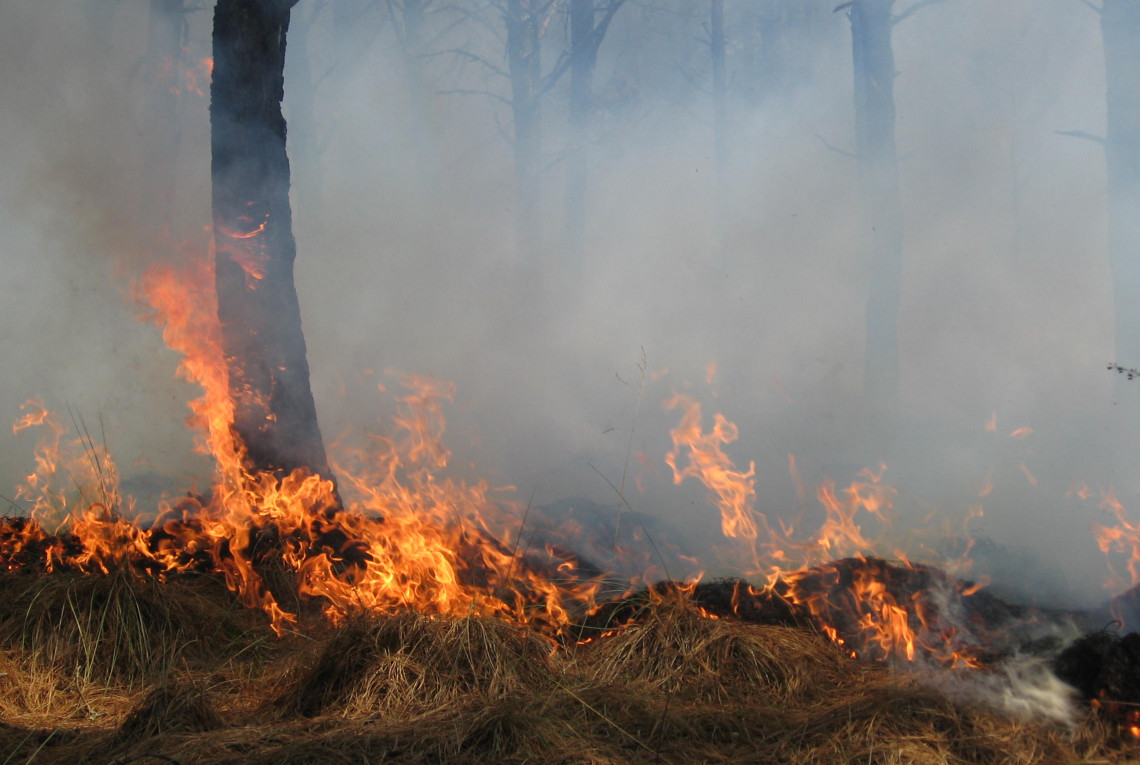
{"x": 404, "y": 538}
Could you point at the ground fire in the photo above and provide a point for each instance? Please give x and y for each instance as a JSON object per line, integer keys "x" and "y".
{"x": 353, "y": 601}
{"x": 406, "y": 540}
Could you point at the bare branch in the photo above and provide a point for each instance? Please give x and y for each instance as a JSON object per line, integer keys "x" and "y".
{"x": 913, "y": 8}
{"x": 838, "y": 8}
{"x": 1082, "y": 134}
{"x": 603, "y": 25}
{"x": 460, "y": 53}
{"x": 1090, "y": 5}
{"x": 468, "y": 92}
{"x": 556, "y": 72}
{"x": 836, "y": 149}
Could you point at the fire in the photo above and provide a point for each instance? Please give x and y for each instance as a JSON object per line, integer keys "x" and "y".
{"x": 404, "y": 538}
{"x": 396, "y": 534}
{"x": 827, "y": 575}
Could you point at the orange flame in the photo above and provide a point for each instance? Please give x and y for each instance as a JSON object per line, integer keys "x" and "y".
{"x": 405, "y": 538}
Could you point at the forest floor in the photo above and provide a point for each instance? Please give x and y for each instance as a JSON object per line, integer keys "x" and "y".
{"x": 124, "y": 669}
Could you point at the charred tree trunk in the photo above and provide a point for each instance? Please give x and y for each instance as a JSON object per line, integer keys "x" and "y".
{"x": 524, "y": 63}
{"x": 1120, "y": 25}
{"x": 274, "y": 413}
{"x": 881, "y": 215}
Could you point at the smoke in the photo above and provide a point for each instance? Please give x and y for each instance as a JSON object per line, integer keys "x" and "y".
{"x": 407, "y": 260}
{"x": 1023, "y": 687}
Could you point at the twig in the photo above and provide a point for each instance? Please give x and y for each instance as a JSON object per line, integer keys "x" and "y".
{"x": 1127, "y": 371}
{"x": 836, "y": 149}
{"x": 1082, "y": 134}
{"x": 629, "y": 507}
{"x": 913, "y": 8}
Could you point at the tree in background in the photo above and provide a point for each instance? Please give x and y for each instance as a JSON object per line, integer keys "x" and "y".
{"x": 872, "y": 24}
{"x": 163, "y": 66}
{"x": 526, "y": 20}
{"x": 588, "y": 24}
{"x": 1120, "y": 27}
{"x": 274, "y": 413}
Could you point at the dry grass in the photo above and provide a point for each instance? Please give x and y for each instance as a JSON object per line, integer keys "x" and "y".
{"x": 670, "y": 687}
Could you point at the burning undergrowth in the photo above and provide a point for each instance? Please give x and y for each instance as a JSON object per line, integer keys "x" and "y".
{"x": 418, "y": 618}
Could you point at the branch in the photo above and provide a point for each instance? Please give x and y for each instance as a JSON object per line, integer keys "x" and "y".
{"x": 469, "y": 92}
{"x": 913, "y": 8}
{"x": 555, "y": 74}
{"x": 838, "y": 8}
{"x": 460, "y": 53}
{"x": 1084, "y": 135}
{"x": 1130, "y": 373}
{"x": 604, "y": 24}
{"x": 836, "y": 149}
{"x": 594, "y": 42}
{"x": 1090, "y": 5}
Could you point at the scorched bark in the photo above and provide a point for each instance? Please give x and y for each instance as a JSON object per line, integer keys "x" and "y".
{"x": 274, "y": 413}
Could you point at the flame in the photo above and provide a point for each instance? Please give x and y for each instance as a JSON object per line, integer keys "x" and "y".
{"x": 827, "y": 574}
{"x": 402, "y": 536}
{"x": 405, "y": 538}
{"x": 1123, "y": 538}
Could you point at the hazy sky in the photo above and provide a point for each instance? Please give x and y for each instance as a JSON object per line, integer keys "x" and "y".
{"x": 1006, "y": 311}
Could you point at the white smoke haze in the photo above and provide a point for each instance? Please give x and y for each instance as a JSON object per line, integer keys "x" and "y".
{"x": 1006, "y": 312}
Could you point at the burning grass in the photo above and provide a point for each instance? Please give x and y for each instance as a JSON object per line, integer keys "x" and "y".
{"x": 669, "y": 685}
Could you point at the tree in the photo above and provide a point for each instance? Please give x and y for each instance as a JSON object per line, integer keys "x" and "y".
{"x": 525, "y": 21}
{"x": 881, "y": 227}
{"x": 881, "y": 218}
{"x": 1120, "y": 27}
{"x": 588, "y": 25}
{"x": 274, "y": 412}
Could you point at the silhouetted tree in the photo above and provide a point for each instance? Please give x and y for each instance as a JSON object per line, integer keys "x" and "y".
{"x": 881, "y": 228}
{"x": 525, "y": 21}
{"x": 1120, "y": 27}
{"x": 588, "y": 25}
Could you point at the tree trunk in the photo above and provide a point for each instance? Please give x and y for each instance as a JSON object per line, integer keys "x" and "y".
{"x": 524, "y": 62}
{"x": 274, "y": 413}
{"x": 583, "y": 60}
{"x": 1120, "y": 26}
{"x": 881, "y": 215}
{"x": 414, "y": 12}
